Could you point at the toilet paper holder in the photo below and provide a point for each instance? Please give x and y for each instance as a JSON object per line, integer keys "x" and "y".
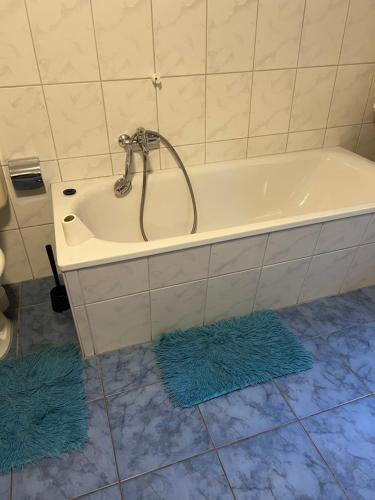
{"x": 25, "y": 174}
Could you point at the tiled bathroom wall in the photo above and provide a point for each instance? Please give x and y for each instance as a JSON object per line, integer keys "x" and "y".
{"x": 238, "y": 78}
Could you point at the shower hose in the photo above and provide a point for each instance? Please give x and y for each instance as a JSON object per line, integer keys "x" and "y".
{"x": 144, "y": 183}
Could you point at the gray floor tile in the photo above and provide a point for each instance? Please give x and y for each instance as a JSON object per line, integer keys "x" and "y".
{"x": 74, "y": 473}
{"x": 111, "y": 493}
{"x": 299, "y": 324}
{"x": 370, "y": 292}
{"x": 129, "y": 368}
{"x": 357, "y": 345}
{"x": 148, "y": 432}
{"x": 5, "y": 487}
{"x": 245, "y": 413}
{"x": 281, "y": 464}
{"x": 13, "y": 293}
{"x": 40, "y": 327}
{"x": 346, "y": 438}
{"x": 329, "y": 383}
{"x": 36, "y": 291}
{"x": 198, "y": 478}
{"x": 91, "y": 379}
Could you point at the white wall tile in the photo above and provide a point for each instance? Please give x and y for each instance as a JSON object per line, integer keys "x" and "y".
{"x": 17, "y": 58}
{"x": 323, "y": 30}
{"x": 180, "y": 36}
{"x": 350, "y": 94}
{"x": 271, "y": 101}
{"x": 359, "y": 40}
{"x": 126, "y": 321}
{"x": 178, "y": 267}
{"x": 35, "y": 239}
{"x": 231, "y": 295}
{"x": 266, "y": 145}
{"x": 178, "y": 307}
{"x": 73, "y": 286}
{"x": 346, "y": 136}
{"x": 230, "y": 35}
{"x": 366, "y": 142}
{"x": 83, "y": 330}
{"x": 280, "y": 284}
{"x": 362, "y": 270}
{"x": 17, "y": 267}
{"x": 7, "y": 216}
{"x": 237, "y": 255}
{"x": 129, "y": 105}
{"x": 226, "y": 150}
{"x": 64, "y": 40}
{"x": 310, "y": 139}
{"x": 113, "y": 280}
{"x": 181, "y": 102}
{"x": 85, "y": 167}
{"x": 24, "y": 126}
{"x": 228, "y": 103}
{"x": 369, "y": 115}
{"x": 191, "y": 154}
{"x": 291, "y": 244}
{"x": 278, "y": 33}
{"x": 369, "y": 236}
{"x": 312, "y": 97}
{"x": 124, "y": 37}
{"x": 77, "y": 117}
{"x": 342, "y": 233}
{"x": 326, "y": 274}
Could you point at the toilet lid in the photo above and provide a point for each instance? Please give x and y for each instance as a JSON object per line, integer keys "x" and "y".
{"x": 2, "y": 262}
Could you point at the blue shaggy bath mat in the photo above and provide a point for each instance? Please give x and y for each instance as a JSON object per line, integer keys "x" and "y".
{"x": 43, "y": 412}
{"x": 208, "y": 361}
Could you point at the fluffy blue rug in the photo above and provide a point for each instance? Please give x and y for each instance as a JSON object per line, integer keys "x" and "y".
{"x": 43, "y": 412}
{"x": 208, "y": 361}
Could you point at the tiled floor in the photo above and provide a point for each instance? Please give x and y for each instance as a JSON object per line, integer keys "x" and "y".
{"x": 304, "y": 436}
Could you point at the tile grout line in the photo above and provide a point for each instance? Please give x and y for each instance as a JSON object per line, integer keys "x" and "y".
{"x": 310, "y": 262}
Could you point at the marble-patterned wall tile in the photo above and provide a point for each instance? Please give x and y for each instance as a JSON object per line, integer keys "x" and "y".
{"x": 118, "y": 162}
{"x": 129, "y": 105}
{"x": 369, "y": 115}
{"x": 342, "y": 233}
{"x": 271, "y": 101}
{"x": 308, "y": 139}
{"x": 312, "y": 98}
{"x": 359, "y": 39}
{"x": 346, "y": 136}
{"x": 231, "y": 295}
{"x": 227, "y": 108}
{"x": 181, "y": 103}
{"x": 17, "y": 59}
{"x": 17, "y": 267}
{"x": 366, "y": 141}
{"x": 125, "y": 319}
{"x": 350, "y": 94}
{"x": 362, "y": 270}
{"x": 180, "y": 36}
{"x": 278, "y": 33}
{"x": 191, "y": 154}
{"x": 36, "y": 238}
{"x": 34, "y": 209}
{"x": 77, "y": 118}
{"x": 178, "y": 267}
{"x": 73, "y": 286}
{"x": 369, "y": 236}
{"x": 178, "y": 307}
{"x": 83, "y": 330}
{"x": 280, "y": 284}
{"x": 23, "y": 115}
{"x": 230, "y": 35}
{"x": 234, "y": 149}
{"x": 86, "y": 167}
{"x": 114, "y": 280}
{"x": 266, "y": 145}
{"x": 326, "y": 274}
{"x": 291, "y": 244}
{"x": 237, "y": 255}
{"x": 323, "y": 30}
{"x": 64, "y": 40}
{"x": 124, "y": 36}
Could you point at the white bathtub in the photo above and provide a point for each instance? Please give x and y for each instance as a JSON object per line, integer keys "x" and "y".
{"x": 300, "y": 227}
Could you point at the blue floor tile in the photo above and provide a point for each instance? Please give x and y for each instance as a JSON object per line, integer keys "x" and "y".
{"x": 245, "y": 413}
{"x": 36, "y": 291}
{"x": 357, "y": 345}
{"x": 330, "y": 382}
{"x": 5, "y": 487}
{"x": 148, "y": 432}
{"x": 346, "y": 438}
{"x": 281, "y": 464}
{"x": 74, "y": 473}
{"x": 198, "y": 478}
{"x": 40, "y": 327}
{"x": 299, "y": 324}
{"x": 129, "y": 368}
{"x": 111, "y": 493}
{"x": 91, "y": 379}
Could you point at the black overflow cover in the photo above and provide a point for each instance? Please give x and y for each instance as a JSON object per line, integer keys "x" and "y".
{"x": 69, "y": 191}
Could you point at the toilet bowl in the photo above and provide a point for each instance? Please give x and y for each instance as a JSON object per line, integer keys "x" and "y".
{"x": 5, "y": 324}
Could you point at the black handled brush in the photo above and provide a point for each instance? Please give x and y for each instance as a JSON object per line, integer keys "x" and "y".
{"x": 59, "y": 297}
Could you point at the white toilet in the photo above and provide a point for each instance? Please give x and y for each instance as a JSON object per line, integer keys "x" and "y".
{"x": 5, "y": 324}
